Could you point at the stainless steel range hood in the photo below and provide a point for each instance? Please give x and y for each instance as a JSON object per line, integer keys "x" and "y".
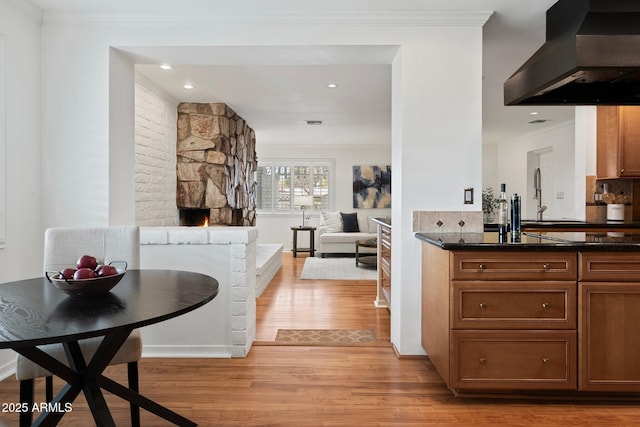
{"x": 591, "y": 57}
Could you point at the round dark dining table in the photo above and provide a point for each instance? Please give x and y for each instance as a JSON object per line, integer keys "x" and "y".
{"x": 34, "y": 312}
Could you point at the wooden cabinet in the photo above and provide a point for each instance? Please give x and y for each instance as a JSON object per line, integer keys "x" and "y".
{"x": 609, "y": 322}
{"x": 383, "y": 298}
{"x": 510, "y": 321}
{"x": 618, "y": 142}
{"x": 502, "y": 321}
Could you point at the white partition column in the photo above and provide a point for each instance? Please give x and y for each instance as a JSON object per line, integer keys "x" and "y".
{"x": 225, "y": 327}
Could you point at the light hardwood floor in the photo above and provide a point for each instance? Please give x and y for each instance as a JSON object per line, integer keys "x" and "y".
{"x": 323, "y": 386}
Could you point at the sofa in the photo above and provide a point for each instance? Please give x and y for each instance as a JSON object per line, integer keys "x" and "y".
{"x": 337, "y": 236}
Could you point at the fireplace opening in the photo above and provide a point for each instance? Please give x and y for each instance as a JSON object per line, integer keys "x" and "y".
{"x": 194, "y": 217}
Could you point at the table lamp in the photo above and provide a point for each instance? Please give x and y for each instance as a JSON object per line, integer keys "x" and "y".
{"x": 305, "y": 202}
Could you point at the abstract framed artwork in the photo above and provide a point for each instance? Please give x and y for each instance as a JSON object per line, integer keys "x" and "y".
{"x": 372, "y": 187}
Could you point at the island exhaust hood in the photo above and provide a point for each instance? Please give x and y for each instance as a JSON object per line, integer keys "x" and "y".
{"x": 591, "y": 57}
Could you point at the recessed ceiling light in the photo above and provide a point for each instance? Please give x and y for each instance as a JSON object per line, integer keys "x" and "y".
{"x": 332, "y": 85}
{"x": 187, "y": 86}
{"x": 534, "y": 113}
{"x": 165, "y": 66}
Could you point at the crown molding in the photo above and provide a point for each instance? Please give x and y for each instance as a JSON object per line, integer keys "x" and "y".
{"x": 28, "y": 10}
{"x": 418, "y": 18}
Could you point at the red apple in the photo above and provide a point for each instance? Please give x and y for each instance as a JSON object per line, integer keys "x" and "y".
{"x": 68, "y": 273}
{"x": 87, "y": 261}
{"x": 84, "y": 273}
{"x": 106, "y": 270}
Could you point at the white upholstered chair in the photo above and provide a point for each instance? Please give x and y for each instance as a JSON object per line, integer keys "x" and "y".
{"x": 62, "y": 248}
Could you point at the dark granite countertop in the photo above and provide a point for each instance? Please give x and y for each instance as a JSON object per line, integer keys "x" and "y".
{"x": 569, "y": 224}
{"x": 536, "y": 241}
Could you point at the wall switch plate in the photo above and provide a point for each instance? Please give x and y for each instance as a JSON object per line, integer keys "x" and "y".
{"x": 560, "y": 195}
{"x": 468, "y": 196}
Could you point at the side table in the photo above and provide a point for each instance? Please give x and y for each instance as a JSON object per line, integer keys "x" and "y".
{"x": 311, "y": 249}
{"x": 366, "y": 259}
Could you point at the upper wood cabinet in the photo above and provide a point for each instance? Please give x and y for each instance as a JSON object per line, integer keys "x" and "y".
{"x": 618, "y": 142}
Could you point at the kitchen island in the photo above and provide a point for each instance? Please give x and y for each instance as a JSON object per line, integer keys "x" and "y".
{"x": 555, "y": 314}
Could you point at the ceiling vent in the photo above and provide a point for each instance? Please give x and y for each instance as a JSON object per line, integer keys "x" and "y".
{"x": 314, "y": 122}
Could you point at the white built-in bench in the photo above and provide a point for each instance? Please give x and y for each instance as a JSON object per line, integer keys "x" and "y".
{"x": 268, "y": 263}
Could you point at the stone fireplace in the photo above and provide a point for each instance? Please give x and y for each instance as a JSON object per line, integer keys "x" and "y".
{"x": 216, "y": 161}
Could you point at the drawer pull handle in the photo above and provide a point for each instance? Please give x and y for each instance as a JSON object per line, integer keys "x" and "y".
{"x": 483, "y": 305}
{"x": 482, "y": 266}
{"x": 545, "y": 360}
{"x": 483, "y": 361}
{"x": 546, "y": 305}
{"x": 546, "y": 266}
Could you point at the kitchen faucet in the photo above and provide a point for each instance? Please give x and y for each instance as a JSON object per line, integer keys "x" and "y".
{"x": 537, "y": 183}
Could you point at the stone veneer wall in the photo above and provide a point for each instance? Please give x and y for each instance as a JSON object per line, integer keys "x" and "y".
{"x": 216, "y": 160}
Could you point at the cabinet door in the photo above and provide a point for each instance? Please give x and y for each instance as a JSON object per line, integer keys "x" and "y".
{"x": 629, "y": 141}
{"x": 609, "y": 330}
{"x": 618, "y": 141}
{"x": 513, "y": 360}
{"x": 607, "y": 138}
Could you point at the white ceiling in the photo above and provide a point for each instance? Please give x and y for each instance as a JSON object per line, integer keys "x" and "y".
{"x": 276, "y": 94}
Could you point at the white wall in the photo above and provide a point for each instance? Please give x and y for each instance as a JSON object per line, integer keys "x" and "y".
{"x": 155, "y": 147}
{"x": 436, "y": 152}
{"x": 276, "y": 228}
{"x": 436, "y": 115}
{"x": 585, "y": 152}
{"x": 23, "y": 255}
{"x": 513, "y": 170}
{"x": 490, "y": 167}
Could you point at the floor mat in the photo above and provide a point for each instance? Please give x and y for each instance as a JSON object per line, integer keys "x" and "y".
{"x": 326, "y": 337}
{"x": 336, "y": 269}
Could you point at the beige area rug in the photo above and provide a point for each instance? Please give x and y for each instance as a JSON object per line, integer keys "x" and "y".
{"x": 316, "y": 268}
{"x": 325, "y": 337}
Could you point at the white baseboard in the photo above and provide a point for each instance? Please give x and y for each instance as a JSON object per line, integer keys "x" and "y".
{"x": 167, "y": 351}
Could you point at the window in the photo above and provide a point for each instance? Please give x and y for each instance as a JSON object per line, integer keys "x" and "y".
{"x": 293, "y": 185}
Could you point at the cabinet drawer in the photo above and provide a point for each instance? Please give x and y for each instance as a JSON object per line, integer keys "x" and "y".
{"x": 507, "y": 360}
{"x": 609, "y": 267}
{"x": 513, "y": 305}
{"x": 513, "y": 265}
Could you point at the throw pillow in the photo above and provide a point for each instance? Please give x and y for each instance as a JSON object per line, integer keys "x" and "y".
{"x": 332, "y": 221}
{"x": 350, "y": 222}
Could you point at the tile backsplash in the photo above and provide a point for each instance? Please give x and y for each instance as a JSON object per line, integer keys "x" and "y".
{"x": 448, "y": 221}
{"x": 597, "y": 212}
